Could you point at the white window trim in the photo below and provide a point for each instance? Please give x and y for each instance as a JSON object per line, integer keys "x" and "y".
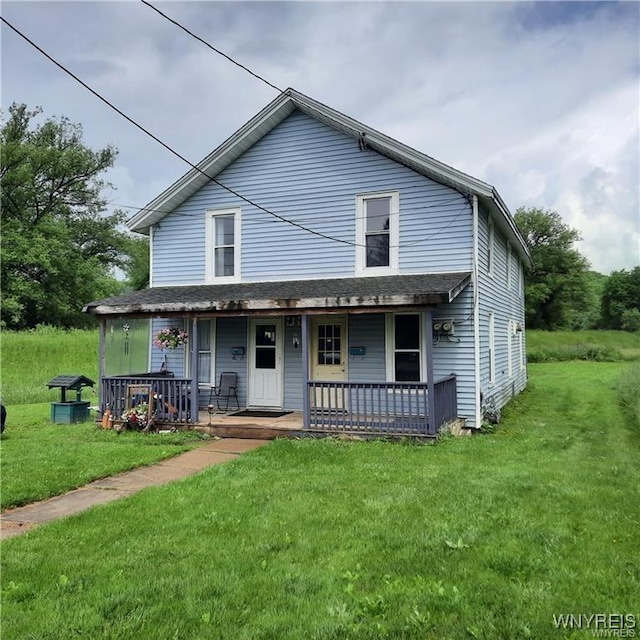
{"x": 521, "y": 279}
{"x": 209, "y": 235}
{"x": 510, "y": 333}
{"x": 390, "y": 344}
{"x": 491, "y": 249}
{"x": 212, "y": 338}
{"x": 492, "y": 348}
{"x": 394, "y": 234}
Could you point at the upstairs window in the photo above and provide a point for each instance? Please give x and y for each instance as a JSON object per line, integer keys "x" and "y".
{"x": 223, "y": 245}
{"x": 377, "y": 233}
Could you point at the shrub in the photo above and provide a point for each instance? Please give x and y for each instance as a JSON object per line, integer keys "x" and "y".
{"x": 629, "y": 394}
{"x": 562, "y": 353}
{"x": 631, "y": 320}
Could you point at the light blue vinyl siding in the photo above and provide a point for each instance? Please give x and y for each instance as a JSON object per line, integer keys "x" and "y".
{"x": 507, "y": 304}
{"x": 293, "y": 381}
{"x": 368, "y": 331}
{"x": 176, "y": 359}
{"x": 309, "y": 173}
{"x": 456, "y": 354}
{"x": 230, "y": 333}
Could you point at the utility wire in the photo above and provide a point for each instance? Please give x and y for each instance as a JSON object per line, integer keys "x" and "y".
{"x": 165, "y": 145}
{"x": 449, "y": 201}
{"x": 204, "y": 42}
{"x": 361, "y": 141}
{"x": 195, "y": 167}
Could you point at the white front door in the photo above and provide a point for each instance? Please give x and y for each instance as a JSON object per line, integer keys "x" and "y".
{"x": 265, "y": 363}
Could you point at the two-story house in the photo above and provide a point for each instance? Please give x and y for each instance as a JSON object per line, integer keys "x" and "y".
{"x": 335, "y": 271}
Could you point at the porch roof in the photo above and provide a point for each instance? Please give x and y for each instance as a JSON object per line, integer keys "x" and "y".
{"x": 289, "y": 296}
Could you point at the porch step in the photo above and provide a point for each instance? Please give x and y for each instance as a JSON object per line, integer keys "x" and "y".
{"x": 251, "y": 431}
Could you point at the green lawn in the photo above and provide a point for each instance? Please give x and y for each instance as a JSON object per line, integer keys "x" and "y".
{"x": 482, "y": 537}
{"x": 41, "y": 459}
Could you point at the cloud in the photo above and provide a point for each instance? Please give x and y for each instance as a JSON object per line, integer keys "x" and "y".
{"x": 538, "y": 99}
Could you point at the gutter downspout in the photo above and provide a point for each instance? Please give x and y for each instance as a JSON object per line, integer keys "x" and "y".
{"x": 476, "y": 316}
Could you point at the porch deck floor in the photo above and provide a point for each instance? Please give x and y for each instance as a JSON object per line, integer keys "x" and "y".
{"x": 226, "y": 425}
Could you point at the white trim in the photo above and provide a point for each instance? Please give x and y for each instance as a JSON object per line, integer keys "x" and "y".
{"x": 394, "y": 234}
{"x": 492, "y": 348}
{"x": 491, "y": 248}
{"x": 521, "y": 281}
{"x": 510, "y": 333}
{"x": 476, "y": 315}
{"x": 151, "y": 236}
{"x": 212, "y": 338}
{"x": 209, "y": 245}
{"x": 509, "y": 266}
{"x": 389, "y": 341}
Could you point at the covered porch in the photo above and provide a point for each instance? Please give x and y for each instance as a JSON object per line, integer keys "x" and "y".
{"x": 363, "y": 402}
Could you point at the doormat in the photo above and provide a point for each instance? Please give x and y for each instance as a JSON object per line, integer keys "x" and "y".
{"x": 257, "y": 413}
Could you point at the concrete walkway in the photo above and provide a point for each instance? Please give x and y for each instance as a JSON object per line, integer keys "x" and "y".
{"x": 22, "y": 519}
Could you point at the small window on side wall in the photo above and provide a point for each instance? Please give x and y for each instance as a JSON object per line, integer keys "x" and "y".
{"x": 222, "y": 240}
{"x": 377, "y": 233}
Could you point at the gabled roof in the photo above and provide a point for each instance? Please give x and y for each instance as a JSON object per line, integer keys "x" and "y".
{"x": 289, "y": 296}
{"x": 279, "y": 109}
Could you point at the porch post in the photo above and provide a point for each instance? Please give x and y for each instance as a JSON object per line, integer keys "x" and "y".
{"x": 432, "y": 428}
{"x": 102, "y": 360}
{"x": 305, "y": 369}
{"x": 194, "y": 370}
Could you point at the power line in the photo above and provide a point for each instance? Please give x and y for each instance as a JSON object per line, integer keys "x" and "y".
{"x": 195, "y": 167}
{"x": 444, "y": 202}
{"x": 165, "y": 145}
{"x": 204, "y": 42}
{"x": 411, "y": 243}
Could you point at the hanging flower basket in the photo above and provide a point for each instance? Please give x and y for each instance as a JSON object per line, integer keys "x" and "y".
{"x": 170, "y": 338}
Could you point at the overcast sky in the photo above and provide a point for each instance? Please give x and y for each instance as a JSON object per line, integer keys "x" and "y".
{"x": 540, "y": 100}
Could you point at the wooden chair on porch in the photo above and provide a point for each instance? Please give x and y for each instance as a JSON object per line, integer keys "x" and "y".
{"x": 225, "y": 391}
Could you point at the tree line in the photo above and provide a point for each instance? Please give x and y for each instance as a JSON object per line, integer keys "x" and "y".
{"x": 561, "y": 292}
{"x": 61, "y": 249}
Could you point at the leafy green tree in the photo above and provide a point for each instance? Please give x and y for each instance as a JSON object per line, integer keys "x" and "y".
{"x": 621, "y": 294}
{"x": 58, "y": 246}
{"x": 557, "y": 286}
{"x": 136, "y": 266}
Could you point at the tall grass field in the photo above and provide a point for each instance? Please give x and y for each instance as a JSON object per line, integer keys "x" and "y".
{"x": 30, "y": 359}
